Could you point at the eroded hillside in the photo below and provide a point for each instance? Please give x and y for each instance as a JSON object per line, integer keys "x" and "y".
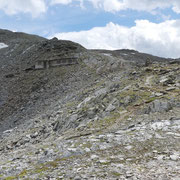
{"x": 114, "y": 115}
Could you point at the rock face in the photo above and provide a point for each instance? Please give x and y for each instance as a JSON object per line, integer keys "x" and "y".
{"x": 159, "y": 106}
{"x": 112, "y": 115}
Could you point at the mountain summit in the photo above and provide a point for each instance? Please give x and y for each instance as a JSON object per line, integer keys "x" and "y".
{"x": 67, "y": 112}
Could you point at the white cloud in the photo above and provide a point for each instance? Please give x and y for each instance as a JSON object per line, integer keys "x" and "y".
{"x": 176, "y": 6}
{"x": 118, "y": 5}
{"x": 142, "y": 5}
{"x": 108, "y": 5}
{"x": 161, "y": 39}
{"x": 34, "y": 7}
{"x": 65, "y": 2}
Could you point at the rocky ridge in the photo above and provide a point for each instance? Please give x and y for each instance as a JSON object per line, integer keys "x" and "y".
{"x": 114, "y": 115}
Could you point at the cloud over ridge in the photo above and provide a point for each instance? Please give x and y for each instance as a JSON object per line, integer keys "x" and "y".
{"x": 161, "y": 39}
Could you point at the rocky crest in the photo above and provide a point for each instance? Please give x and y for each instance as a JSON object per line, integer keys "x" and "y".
{"x": 113, "y": 115}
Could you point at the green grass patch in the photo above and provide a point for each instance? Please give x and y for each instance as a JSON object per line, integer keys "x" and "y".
{"x": 10, "y": 178}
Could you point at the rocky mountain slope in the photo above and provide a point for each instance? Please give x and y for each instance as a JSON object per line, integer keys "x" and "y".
{"x": 113, "y": 115}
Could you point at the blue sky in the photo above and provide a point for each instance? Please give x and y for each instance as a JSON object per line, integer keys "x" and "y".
{"x": 151, "y": 26}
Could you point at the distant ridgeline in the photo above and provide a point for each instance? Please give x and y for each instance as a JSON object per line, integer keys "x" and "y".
{"x": 54, "y": 62}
